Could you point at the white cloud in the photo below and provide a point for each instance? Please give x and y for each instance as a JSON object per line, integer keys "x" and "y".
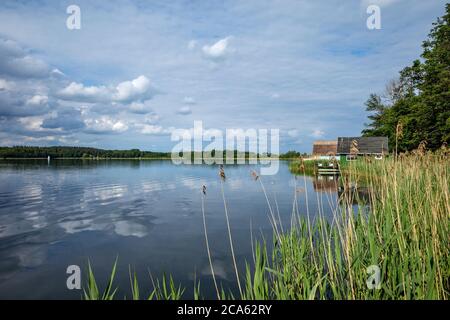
{"x": 212, "y": 133}
{"x": 127, "y": 91}
{"x": 317, "y": 133}
{"x": 192, "y": 44}
{"x": 16, "y": 62}
{"x": 32, "y": 123}
{"x": 185, "y": 110}
{"x": 189, "y": 100}
{"x": 119, "y": 126}
{"x": 151, "y": 118}
{"x": 323, "y": 75}
{"x": 10, "y": 48}
{"x": 150, "y": 129}
{"x": 140, "y": 107}
{"x": 57, "y": 72}
{"x": 78, "y": 92}
{"x": 6, "y": 85}
{"x": 218, "y": 50}
{"x": 293, "y": 133}
{"x": 137, "y": 107}
{"x": 105, "y": 125}
{"x": 37, "y": 100}
{"x": 131, "y": 90}
{"x": 50, "y": 138}
{"x": 129, "y": 228}
{"x": 381, "y": 3}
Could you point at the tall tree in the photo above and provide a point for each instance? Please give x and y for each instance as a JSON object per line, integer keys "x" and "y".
{"x": 419, "y": 101}
{"x": 377, "y": 115}
{"x": 434, "y": 109}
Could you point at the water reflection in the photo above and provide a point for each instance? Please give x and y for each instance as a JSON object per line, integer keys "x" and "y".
{"x": 220, "y": 269}
{"x": 325, "y": 183}
{"x": 356, "y": 195}
{"x": 147, "y": 212}
{"x": 347, "y": 190}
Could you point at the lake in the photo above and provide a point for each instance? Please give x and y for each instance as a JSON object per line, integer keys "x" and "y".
{"x": 147, "y": 213}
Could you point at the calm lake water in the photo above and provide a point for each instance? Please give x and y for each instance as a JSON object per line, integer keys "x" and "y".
{"x": 148, "y": 213}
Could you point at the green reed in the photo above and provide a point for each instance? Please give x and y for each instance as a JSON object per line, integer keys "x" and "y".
{"x": 404, "y": 231}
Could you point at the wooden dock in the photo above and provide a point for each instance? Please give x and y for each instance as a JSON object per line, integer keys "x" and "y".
{"x": 330, "y": 169}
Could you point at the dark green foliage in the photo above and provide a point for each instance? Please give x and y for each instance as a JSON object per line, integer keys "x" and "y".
{"x": 291, "y": 154}
{"x": 75, "y": 152}
{"x": 92, "y": 153}
{"x": 417, "y": 105}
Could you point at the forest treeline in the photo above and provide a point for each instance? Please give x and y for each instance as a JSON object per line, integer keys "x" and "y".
{"x": 90, "y": 153}
{"x": 75, "y": 152}
{"x": 415, "y": 108}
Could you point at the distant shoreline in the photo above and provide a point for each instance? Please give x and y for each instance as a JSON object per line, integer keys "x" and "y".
{"x": 97, "y": 159}
{"x": 80, "y": 158}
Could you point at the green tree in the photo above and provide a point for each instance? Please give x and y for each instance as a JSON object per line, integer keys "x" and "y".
{"x": 418, "y": 102}
{"x": 434, "y": 107}
{"x": 377, "y": 126}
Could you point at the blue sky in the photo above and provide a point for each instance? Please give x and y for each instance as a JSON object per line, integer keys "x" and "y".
{"x": 138, "y": 69}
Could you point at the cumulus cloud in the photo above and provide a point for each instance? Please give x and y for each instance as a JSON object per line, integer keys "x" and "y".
{"x": 135, "y": 90}
{"x": 104, "y": 125}
{"x": 16, "y": 62}
{"x": 64, "y": 122}
{"x": 317, "y": 133}
{"x": 149, "y": 118}
{"x": 14, "y": 126}
{"x": 78, "y": 92}
{"x": 6, "y": 85}
{"x": 58, "y": 73}
{"x": 28, "y": 107}
{"x": 188, "y": 100}
{"x": 58, "y": 120}
{"x": 140, "y": 107}
{"x": 65, "y": 119}
{"x": 151, "y": 129}
{"x": 381, "y": 3}
{"x": 218, "y": 50}
{"x": 192, "y": 44}
{"x": 293, "y": 133}
{"x": 275, "y": 95}
{"x": 21, "y": 82}
{"x": 155, "y": 130}
{"x": 13, "y": 104}
{"x": 185, "y": 110}
{"x": 314, "y": 69}
{"x": 31, "y": 123}
{"x": 37, "y": 100}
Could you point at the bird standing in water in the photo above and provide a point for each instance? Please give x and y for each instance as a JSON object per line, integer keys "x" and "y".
{"x": 222, "y": 172}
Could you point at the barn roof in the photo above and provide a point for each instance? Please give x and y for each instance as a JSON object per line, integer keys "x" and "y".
{"x": 324, "y": 148}
{"x": 362, "y": 145}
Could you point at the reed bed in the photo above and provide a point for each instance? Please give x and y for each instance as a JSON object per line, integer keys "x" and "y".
{"x": 403, "y": 233}
{"x": 308, "y": 167}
